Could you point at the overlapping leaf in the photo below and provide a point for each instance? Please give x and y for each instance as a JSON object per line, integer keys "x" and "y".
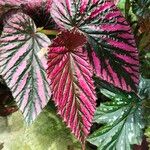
{"x": 71, "y": 82}
{"x": 122, "y": 119}
{"x": 5, "y": 7}
{"x": 115, "y": 56}
{"x": 22, "y": 69}
{"x": 39, "y": 11}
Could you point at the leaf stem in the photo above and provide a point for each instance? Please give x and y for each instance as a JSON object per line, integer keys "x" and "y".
{"x": 83, "y": 145}
{"x": 47, "y": 32}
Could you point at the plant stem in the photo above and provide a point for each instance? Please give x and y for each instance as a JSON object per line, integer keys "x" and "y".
{"x": 127, "y": 8}
{"x": 83, "y": 146}
{"x": 47, "y": 32}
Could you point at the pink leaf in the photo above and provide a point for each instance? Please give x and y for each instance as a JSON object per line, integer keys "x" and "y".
{"x": 71, "y": 82}
{"x": 22, "y": 69}
{"x": 110, "y": 40}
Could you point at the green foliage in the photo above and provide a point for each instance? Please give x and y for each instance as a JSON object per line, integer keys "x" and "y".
{"x": 141, "y": 7}
{"x": 145, "y": 61}
{"x": 144, "y": 92}
{"x": 47, "y": 132}
{"x": 147, "y": 133}
{"x": 121, "y": 118}
{"x": 144, "y": 88}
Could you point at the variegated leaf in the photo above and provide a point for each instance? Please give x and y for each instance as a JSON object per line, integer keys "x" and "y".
{"x": 115, "y": 56}
{"x": 22, "y": 69}
{"x": 121, "y": 119}
{"x": 71, "y": 82}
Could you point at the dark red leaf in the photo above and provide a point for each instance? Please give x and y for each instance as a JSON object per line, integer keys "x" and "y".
{"x": 71, "y": 82}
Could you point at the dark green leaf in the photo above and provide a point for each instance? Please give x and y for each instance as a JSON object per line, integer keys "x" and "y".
{"x": 122, "y": 120}
{"x": 141, "y": 8}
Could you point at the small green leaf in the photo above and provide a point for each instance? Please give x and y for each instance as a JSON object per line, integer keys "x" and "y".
{"x": 121, "y": 118}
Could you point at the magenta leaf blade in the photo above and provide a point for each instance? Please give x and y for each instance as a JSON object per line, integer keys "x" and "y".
{"x": 21, "y": 67}
{"x": 71, "y": 82}
{"x": 110, "y": 40}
